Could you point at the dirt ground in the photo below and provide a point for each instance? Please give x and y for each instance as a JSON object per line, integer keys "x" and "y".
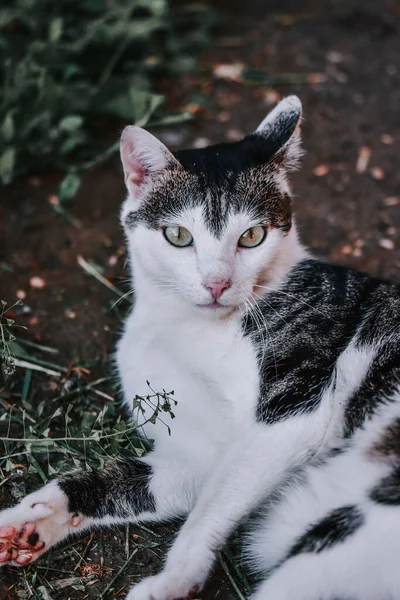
{"x": 347, "y": 214}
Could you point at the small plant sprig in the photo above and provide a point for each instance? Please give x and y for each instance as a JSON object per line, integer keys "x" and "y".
{"x": 158, "y": 402}
{"x": 6, "y": 337}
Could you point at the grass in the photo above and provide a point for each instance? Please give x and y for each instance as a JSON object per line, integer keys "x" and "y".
{"x": 71, "y": 68}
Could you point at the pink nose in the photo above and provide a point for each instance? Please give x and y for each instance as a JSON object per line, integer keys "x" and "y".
{"x": 217, "y": 287}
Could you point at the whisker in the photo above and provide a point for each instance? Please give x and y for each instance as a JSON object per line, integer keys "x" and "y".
{"x": 298, "y": 300}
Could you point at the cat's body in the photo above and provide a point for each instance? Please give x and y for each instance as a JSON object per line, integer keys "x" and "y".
{"x": 286, "y": 371}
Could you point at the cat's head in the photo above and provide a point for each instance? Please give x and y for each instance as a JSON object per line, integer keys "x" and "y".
{"x": 213, "y": 226}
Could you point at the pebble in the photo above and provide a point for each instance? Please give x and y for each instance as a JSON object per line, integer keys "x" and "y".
{"x": 21, "y": 295}
{"x": 229, "y": 72}
{"x": 386, "y": 243}
{"x": 364, "y": 155}
{"x": 37, "y": 282}
{"x": 201, "y": 142}
{"x": 346, "y": 249}
{"x": 271, "y": 97}
{"x": 53, "y": 199}
{"x": 335, "y": 57}
{"x": 234, "y": 135}
{"x": 70, "y": 314}
{"x": 391, "y": 201}
{"x": 321, "y": 170}
{"x": 386, "y": 138}
{"x": 377, "y": 173}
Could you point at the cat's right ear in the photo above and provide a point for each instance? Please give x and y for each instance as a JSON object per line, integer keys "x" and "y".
{"x": 144, "y": 159}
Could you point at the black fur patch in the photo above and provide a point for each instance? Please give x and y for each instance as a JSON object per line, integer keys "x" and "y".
{"x": 388, "y": 490}
{"x": 121, "y": 489}
{"x": 221, "y": 179}
{"x": 333, "y": 529}
{"x": 387, "y": 447}
{"x": 309, "y": 322}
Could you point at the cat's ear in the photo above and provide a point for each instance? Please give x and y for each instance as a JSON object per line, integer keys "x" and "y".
{"x": 281, "y": 127}
{"x": 144, "y": 159}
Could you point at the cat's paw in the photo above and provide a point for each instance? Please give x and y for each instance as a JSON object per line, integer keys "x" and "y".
{"x": 38, "y": 522}
{"x": 163, "y": 587}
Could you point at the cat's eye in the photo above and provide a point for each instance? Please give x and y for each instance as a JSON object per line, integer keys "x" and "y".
{"x": 252, "y": 237}
{"x": 178, "y": 236}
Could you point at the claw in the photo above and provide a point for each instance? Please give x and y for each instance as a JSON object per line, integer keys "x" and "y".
{"x": 23, "y": 558}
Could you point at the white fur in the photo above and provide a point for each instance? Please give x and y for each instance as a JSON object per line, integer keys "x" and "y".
{"x": 364, "y": 566}
{"x": 219, "y": 464}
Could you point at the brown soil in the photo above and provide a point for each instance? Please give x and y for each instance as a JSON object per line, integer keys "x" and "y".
{"x": 350, "y": 217}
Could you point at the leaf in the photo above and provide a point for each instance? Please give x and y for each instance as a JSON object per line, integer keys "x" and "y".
{"x": 71, "y": 123}
{"x": 7, "y": 128}
{"x": 43, "y": 593}
{"x": 7, "y": 162}
{"x": 55, "y": 31}
{"x": 69, "y": 187}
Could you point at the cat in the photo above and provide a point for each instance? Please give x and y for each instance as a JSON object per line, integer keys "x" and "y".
{"x": 286, "y": 370}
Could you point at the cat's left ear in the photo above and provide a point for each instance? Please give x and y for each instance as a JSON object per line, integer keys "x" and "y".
{"x": 281, "y": 128}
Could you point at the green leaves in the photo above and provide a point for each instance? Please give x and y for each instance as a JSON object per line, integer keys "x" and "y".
{"x": 71, "y": 123}
{"x": 69, "y": 187}
{"x": 63, "y": 64}
{"x": 7, "y": 163}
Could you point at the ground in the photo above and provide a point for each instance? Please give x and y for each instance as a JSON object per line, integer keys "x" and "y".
{"x": 347, "y": 55}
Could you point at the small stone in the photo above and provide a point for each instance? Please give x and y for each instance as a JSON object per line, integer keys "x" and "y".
{"x": 377, "y": 173}
{"x": 234, "y": 135}
{"x": 391, "y": 201}
{"x": 53, "y": 199}
{"x": 37, "y": 282}
{"x": 70, "y": 314}
{"x": 346, "y": 249}
{"x": 229, "y": 72}
{"x": 271, "y": 97}
{"x": 112, "y": 261}
{"x": 201, "y": 142}
{"x": 321, "y": 170}
{"x": 334, "y": 57}
{"x": 386, "y": 138}
{"x": 315, "y": 78}
{"x": 224, "y": 116}
{"x": 364, "y": 154}
{"x": 21, "y": 295}
{"x": 386, "y": 243}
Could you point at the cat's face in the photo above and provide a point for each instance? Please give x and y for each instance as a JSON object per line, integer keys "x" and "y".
{"x": 213, "y": 226}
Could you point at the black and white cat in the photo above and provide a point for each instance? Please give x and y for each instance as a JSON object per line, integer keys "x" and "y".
{"x": 287, "y": 375}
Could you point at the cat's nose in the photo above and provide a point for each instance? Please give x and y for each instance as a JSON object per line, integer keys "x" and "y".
{"x": 217, "y": 287}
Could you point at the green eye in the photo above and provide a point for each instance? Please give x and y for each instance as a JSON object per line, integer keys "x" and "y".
{"x": 252, "y": 237}
{"x": 178, "y": 236}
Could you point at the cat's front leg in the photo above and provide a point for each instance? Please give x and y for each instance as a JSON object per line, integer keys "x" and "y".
{"x": 123, "y": 491}
{"x": 251, "y": 469}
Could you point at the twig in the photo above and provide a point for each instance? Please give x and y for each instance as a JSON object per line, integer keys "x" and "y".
{"x": 91, "y": 270}
{"x": 228, "y": 574}
{"x": 24, "y": 364}
{"x": 118, "y": 574}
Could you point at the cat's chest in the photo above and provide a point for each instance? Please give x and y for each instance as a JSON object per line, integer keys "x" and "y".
{"x": 210, "y": 365}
